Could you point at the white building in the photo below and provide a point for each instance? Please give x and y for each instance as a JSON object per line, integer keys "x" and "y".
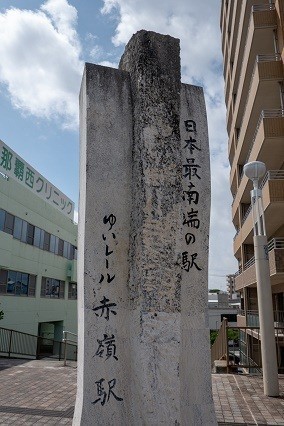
{"x": 38, "y": 241}
{"x": 220, "y": 307}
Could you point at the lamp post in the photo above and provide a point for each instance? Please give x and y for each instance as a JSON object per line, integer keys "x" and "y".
{"x": 254, "y": 171}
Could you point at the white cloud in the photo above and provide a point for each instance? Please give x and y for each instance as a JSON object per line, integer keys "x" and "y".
{"x": 40, "y": 60}
{"x": 197, "y": 28}
{"x": 96, "y": 52}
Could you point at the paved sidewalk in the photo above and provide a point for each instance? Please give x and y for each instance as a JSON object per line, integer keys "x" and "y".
{"x": 36, "y": 392}
{"x": 239, "y": 400}
{"x": 43, "y": 393}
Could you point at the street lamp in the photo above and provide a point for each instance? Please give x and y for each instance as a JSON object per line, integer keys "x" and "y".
{"x": 254, "y": 171}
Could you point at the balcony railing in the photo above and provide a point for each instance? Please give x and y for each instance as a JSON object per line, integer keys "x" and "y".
{"x": 236, "y": 234}
{"x": 266, "y": 113}
{"x": 247, "y": 214}
{"x": 276, "y": 243}
{"x": 273, "y": 244}
{"x": 249, "y": 263}
{"x": 259, "y": 59}
{"x": 253, "y": 318}
{"x": 270, "y": 175}
{"x": 255, "y": 8}
{"x": 273, "y": 113}
{"x": 263, "y": 7}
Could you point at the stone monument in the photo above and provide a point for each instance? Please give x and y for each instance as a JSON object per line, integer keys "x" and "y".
{"x": 143, "y": 243}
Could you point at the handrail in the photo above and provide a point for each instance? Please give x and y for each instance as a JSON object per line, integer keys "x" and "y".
{"x": 65, "y": 341}
{"x": 65, "y": 332}
{"x": 16, "y": 343}
{"x": 219, "y": 349}
{"x": 240, "y": 355}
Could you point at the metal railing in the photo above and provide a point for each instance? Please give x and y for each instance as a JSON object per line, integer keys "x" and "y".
{"x": 263, "y": 7}
{"x": 276, "y": 243}
{"x": 266, "y": 113}
{"x": 270, "y": 175}
{"x": 66, "y": 344}
{"x": 252, "y": 317}
{"x": 244, "y": 353}
{"x": 269, "y": 58}
{"x": 276, "y": 57}
{"x": 246, "y": 215}
{"x": 236, "y": 234}
{"x": 16, "y": 344}
{"x": 255, "y": 8}
{"x": 273, "y": 244}
{"x": 249, "y": 263}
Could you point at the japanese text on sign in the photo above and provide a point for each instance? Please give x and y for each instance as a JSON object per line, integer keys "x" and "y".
{"x": 190, "y": 216}
{"x": 13, "y": 166}
{"x": 105, "y": 310}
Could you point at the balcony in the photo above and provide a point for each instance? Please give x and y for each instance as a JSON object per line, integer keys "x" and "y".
{"x": 251, "y": 318}
{"x": 259, "y": 40}
{"x": 247, "y": 276}
{"x": 239, "y": 42}
{"x": 263, "y": 91}
{"x": 267, "y": 146}
{"x": 273, "y": 203}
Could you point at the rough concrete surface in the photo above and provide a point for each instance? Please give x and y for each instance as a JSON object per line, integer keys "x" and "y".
{"x": 143, "y": 239}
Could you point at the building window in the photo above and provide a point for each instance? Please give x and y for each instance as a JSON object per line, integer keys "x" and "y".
{"x": 2, "y": 219}
{"x": 60, "y": 247}
{"x": 72, "y": 291}
{"x": 18, "y": 228}
{"x": 17, "y": 283}
{"x": 30, "y": 234}
{"x": 24, "y": 231}
{"x": 66, "y": 250}
{"x": 9, "y": 223}
{"x": 53, "y": 288}
{"x": 52, "y": 243}
{"x": 46, "y": 241}
{"x": 56, "y": 245}
{"x": 38, "y": 237}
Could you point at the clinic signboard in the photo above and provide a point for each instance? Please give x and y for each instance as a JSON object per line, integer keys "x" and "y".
{"x": 13, "y": 166}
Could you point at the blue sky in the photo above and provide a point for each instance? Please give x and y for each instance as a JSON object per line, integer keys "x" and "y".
{"x": 43, "y": 47}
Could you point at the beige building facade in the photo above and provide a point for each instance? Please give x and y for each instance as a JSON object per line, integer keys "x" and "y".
{"x": 253, "y": 52}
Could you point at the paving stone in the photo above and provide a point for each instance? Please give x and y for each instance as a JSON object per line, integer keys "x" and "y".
{"x": 22, "y": 406}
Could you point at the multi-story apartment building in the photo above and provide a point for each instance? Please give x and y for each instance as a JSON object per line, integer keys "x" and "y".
{"x": 253, "y": 51}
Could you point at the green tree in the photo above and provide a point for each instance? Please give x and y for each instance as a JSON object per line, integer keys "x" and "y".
{"x": 231, "y": 335}
{"x": 213, "y": 336}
